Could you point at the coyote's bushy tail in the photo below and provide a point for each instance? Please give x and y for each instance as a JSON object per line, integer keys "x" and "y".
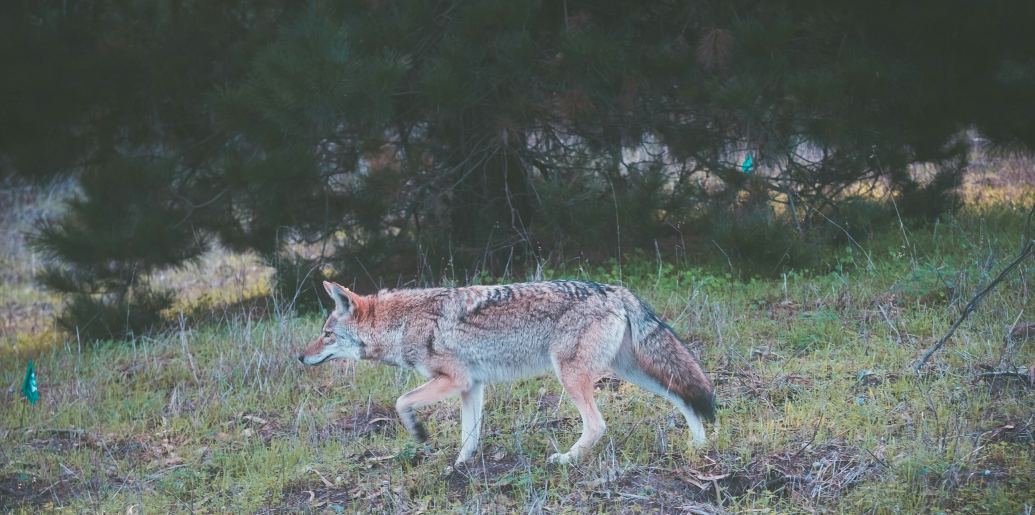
{"x": 660, "y": 354}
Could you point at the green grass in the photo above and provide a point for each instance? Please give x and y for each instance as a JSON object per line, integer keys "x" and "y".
{"x": 818, "y": 407}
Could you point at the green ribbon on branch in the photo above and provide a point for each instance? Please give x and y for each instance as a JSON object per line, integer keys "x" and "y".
{"x": 748, "y": 165}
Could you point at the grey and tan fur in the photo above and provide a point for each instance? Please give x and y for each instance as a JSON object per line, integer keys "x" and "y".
{"x": 463, "y": 338}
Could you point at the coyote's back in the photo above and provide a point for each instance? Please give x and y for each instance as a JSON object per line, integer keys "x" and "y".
{"x": 462, "y": 338}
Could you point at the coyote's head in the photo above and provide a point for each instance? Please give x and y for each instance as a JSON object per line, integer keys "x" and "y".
{"x": 339, "y": 340}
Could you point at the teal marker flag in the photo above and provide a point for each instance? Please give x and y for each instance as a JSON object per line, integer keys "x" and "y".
{"x": 29, "y": 388}
{"x": 749, "y": 164}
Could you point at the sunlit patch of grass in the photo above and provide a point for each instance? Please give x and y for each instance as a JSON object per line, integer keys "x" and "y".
{"x": 218, "y": 278}
{"x": 26, "y": 344}
{"x": 212, "y": 301}
{"x": 1000, "y": 181}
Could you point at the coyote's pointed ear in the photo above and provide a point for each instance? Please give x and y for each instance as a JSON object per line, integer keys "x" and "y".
{"x": 342, "y": 297}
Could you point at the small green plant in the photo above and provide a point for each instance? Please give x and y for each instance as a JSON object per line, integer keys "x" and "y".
{"x": 927, "y": 283}
{"x": 815, "y": 329}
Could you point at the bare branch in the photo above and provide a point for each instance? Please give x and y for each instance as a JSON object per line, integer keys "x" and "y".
{"x": 972, "y": 305}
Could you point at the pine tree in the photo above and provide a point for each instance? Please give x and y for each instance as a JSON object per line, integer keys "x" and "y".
{"x": 425, "y": 139}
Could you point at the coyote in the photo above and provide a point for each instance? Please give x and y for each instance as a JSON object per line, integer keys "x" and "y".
{"x": 463, "y": 338}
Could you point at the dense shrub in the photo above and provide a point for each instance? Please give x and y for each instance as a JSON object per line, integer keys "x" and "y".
{"x": 758, "y": 242}
{"x": 855, "y": 218}
{"x": 126, "y": 224}
{"x": 939, "y": 196}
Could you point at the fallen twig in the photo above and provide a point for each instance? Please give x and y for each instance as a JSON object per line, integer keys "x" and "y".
{"x": 71, "y": 431}
{"x": 326, "y": 483}
{"x": 1028, "y": 249}
{"x": 1018, "y": 374}
{"x": 815, "y": 431}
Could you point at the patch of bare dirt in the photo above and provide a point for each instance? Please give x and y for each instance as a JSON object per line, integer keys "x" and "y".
{"x": 547, "y": 401}
{"x": 1004, "y": 380}
{"x": 650, "y": 489}
{"x": 316, "y": 497}
{"x": 812, "y": 474}
{"x": 29, "y": 491}
{"x": 1010, "y": 431}
{"x": 264, "y": 425}
{"x": 60, "y": 440}
{"x": 324, "y": 493}
{"x": 743, "y": 381}
{"x": 71, "y": 439}
{"x": 254, "y": 308}
{"x": 493, "y": 467}
{"x": 781, "y": 309}
{"x": 364, "y": 420}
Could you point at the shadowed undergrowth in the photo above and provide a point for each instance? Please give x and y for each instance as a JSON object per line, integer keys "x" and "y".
{"x": 818, "y": 408}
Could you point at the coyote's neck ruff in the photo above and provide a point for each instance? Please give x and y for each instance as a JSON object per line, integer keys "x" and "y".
{"x": 462, "y": 338}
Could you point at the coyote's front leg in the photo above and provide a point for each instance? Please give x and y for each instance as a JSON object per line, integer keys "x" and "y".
{"x": 439, "y": 388}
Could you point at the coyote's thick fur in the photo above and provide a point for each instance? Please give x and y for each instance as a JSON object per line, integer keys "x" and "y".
{"x": 463, "y": 338}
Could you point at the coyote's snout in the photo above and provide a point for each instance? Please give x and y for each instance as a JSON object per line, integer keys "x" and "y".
{"x": 463, "y": 338}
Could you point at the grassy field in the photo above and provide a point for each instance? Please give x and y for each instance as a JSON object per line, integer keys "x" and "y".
{"x": 819, "y": 409}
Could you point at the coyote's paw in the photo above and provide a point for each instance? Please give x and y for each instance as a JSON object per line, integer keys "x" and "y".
{"x": 559, "y": 458}
{"x": 696, "y": 447}
{"x": 464, "y": 459}
{"x": 419, "y": 433}
{"x": 459, "y": 468}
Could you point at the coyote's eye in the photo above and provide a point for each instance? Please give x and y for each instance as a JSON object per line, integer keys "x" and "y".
{"x": 328, "y": 334}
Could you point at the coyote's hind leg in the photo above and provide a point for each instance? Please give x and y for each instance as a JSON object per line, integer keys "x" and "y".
{"x": 579, "y": 386}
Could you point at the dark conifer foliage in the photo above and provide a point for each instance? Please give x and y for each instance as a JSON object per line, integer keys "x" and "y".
{"x": 128, "y": 222}
{"x": 432, "y": 139}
